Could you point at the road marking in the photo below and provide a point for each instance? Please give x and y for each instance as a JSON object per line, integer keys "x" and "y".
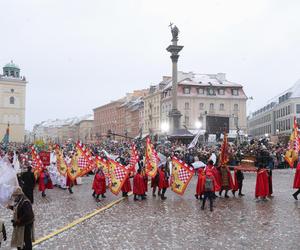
{"x": 78, "y": 221}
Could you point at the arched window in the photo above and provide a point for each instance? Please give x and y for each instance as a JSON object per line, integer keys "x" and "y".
{"x": 11, "y": 100}
{"x": 211, "y": 106}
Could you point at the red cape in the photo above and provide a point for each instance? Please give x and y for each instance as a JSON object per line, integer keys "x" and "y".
{"x": 297, "y": 177}
{"x": 126, "y": 186}
{"x": 99, "y": 184}
{"x": 262, "y": 183}
{"x": 42, "y": 186}
{"x": 235, "y": 184}
{"x": 163, "y": 182}
{"x": 201, "y": 180}
{"x": 138, "y": 185}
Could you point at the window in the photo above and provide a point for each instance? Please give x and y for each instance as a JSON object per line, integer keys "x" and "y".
{"x": 11, "y": 100}
{"x": 6, "y": 72}
{"x": 297, "y": 108}
{"x": 12, "y": 90}
{"x": 235, "y": 92}
{"x": 186, "y": 90}
{"x": 235, "y": 107}
{"x": 17, "y": 74}
{"x": 211, "y": 91}
{"x": 186, "y": 120}
{"x": 186, "y": 106}
{"x": 201, "y": 106}
{"x": 200, "y": 91}
{"x": 221, "y": 91}
{"x": 236, "y": 121}
{"x": 222, "y": 106}
{"x": 211, "y": 106}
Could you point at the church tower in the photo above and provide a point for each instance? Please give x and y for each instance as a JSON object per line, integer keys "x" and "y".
{"x": 12, "y": 102}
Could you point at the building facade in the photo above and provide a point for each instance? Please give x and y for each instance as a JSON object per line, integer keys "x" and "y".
{"x": 120, "y": 117}
{"x": 12, "y": 103}
{"x": 207, "y": 101}
{"x": 152, "y": 107}
{"x": 60, "y": 131}
{"x": 277, "y": 116}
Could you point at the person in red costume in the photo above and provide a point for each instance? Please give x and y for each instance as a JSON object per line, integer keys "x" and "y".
{"x": 163, "y": 183}
{"x": 226, "y": 180}
{"x": 262, "y": 183}
{"x": 208, "y": 187}
{"x": 44, "y": 181}
{"x": 145, "y": 176}
{"x": 297, "y": 182}
{"x": 139, "y": 186}
{"x": 126, "y": 188}
{"x": 210, "y": 166}
{"x": 199, "y": 187}
{"x": 99, "y": 184}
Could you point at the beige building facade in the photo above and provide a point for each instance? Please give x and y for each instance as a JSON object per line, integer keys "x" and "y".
{"x": 207, "y": 101}
{"x": 12, "y": 103}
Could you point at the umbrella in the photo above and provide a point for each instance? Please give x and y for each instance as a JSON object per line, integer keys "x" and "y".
{"x": 163, "y": 159}
{"x": 198, "y": 164}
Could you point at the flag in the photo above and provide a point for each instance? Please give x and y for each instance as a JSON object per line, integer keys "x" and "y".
{"x": 152, "y": 159}
{"x": 37, "y": 164}
{"x": 83, "y": 159}
{"x": 224, "y": 154}
{"x": 73, "y": 170}
{"x": 5, "y": 139}
{"x": 195, "y": 140}
{"x": 61, "y": 164}
{"x": 134, "y": 158}
{"x": 291, "y": 154}
{"x": 118, "y": 174}
{"x": 181, "y": 176}
{"x": 99, "y": 161}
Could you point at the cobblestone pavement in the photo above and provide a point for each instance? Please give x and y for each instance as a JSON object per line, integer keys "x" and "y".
{"x": 177, "y": 223}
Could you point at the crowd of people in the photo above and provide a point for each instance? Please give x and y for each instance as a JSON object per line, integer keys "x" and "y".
{"x": 213, "y": 178}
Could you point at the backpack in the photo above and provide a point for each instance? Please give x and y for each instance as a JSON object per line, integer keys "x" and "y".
{"x": 209, "y": 185}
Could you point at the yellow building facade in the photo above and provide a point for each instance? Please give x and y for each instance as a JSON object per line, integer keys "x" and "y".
{"x": 12, "y": 103}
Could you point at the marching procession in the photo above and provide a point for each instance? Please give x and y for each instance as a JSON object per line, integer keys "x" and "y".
{"x": 130, "y": 167}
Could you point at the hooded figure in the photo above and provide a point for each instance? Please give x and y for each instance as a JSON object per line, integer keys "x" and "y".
{"x": 23, "y": 218}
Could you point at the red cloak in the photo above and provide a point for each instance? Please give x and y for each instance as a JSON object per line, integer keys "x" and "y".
{"x": 262, "y": 184}
{"x": 163, "y": 181}
{"x": 235, "y": 185}
{"x": 217, "y": 176}
{"x": 138, "y": 184}
{"x": 201, "y": 180}
{"x": 42, "y": 179}
{"x": 99, "y": 184}
{"x": 297, "y": 177}
{"x": 126, "y": 186}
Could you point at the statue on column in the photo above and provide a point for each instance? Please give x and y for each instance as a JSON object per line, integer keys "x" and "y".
{"x": 174, "y": 31}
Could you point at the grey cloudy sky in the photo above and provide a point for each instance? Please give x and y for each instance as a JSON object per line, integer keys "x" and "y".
{"x": 78, "y": 55}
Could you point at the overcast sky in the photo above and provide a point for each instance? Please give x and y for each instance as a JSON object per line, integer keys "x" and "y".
{"x": 78, "y": 55}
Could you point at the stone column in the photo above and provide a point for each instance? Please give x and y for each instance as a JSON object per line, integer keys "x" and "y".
{"x": 174, "y": 114}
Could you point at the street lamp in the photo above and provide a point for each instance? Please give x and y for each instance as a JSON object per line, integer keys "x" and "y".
{"x": 198, "y": 124}
{"x": 165, "y": 127}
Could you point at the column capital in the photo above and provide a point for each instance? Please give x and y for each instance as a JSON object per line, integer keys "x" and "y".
{"x": 174, "y": 58}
